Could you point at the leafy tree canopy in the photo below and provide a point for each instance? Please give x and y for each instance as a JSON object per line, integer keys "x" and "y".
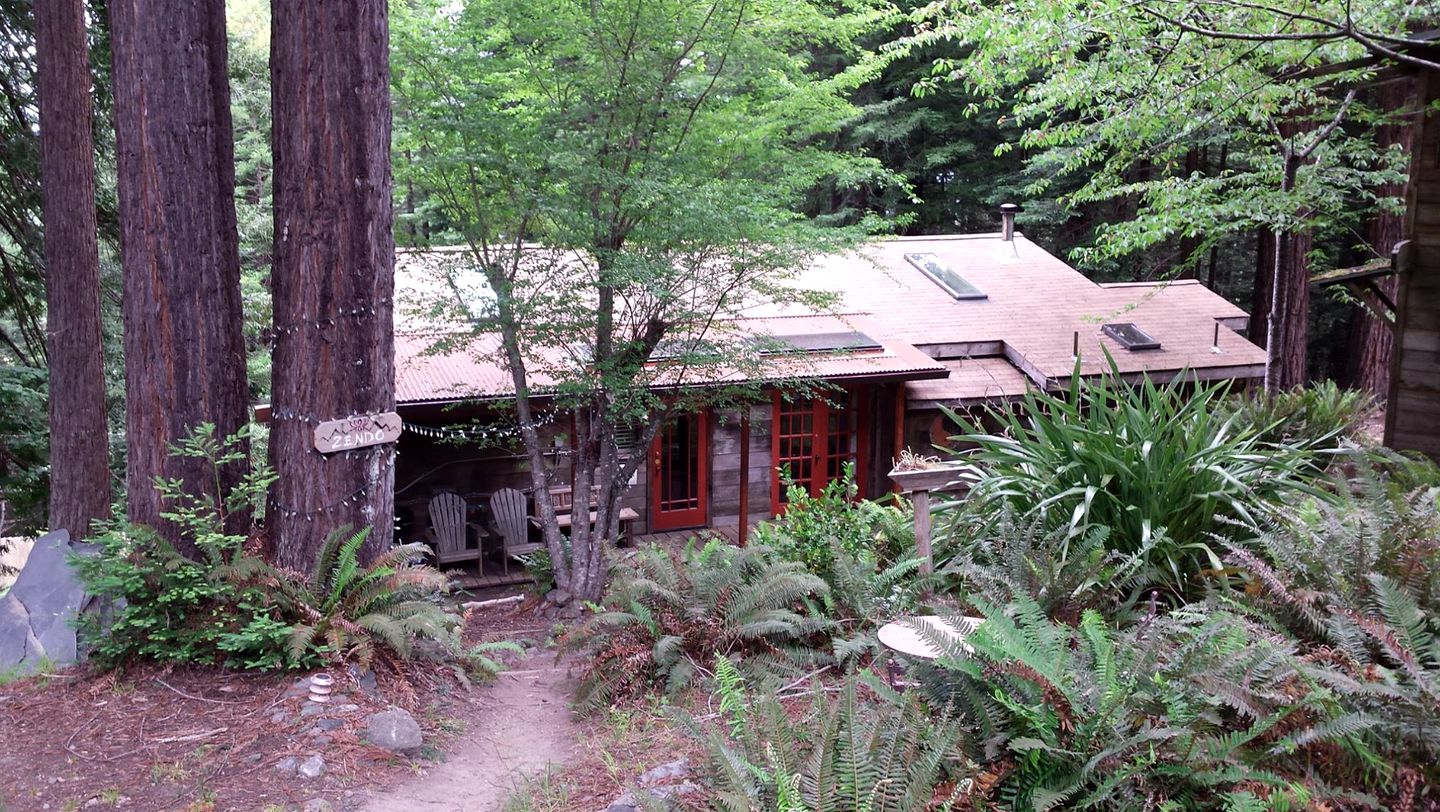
{"x": 1117, "y": 92}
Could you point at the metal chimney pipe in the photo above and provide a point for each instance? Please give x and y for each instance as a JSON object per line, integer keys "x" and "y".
{"x": 1007, "y": 221}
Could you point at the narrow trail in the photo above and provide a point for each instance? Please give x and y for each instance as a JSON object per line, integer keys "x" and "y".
{"x": 524, "y": 725}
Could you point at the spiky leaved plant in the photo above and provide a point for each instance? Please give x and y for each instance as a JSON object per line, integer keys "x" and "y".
{"x": 669, "y": 614}
{"x": 1163, "y": 467}
{"x": 346, "y": 611}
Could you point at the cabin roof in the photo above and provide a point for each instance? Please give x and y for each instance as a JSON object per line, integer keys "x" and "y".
{"x": 1023, "y": 318}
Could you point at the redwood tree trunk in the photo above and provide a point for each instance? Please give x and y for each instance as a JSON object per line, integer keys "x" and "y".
{"x": 184, "y": 349}
{"x": 333, "y": 276}
{"x": 1372, "y": 337}
{"x": 1259, "y": 327}
{"x": 79, "y": 451}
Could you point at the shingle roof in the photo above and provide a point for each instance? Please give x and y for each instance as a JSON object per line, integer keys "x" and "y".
{"x": 1024, "y": 331}
{"x": 1035, "y": 305}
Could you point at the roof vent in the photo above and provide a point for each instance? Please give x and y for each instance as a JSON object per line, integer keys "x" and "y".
{"x": 1007, "y": 220}
{"x": 1131, "y": 337}
{"x": 944, "y": 276}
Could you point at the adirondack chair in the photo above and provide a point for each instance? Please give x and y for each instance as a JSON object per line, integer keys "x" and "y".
{"x": 508, "y": 507}
{"x": 447, "y": 530}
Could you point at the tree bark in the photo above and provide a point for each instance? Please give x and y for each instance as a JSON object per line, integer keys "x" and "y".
{"x": 79, "y": 447}
{"x": 333, "y": 277}
{"x": 1373, "y": 337}
{"x": 184, "y": 347}
{"x": 1259, "y": 327}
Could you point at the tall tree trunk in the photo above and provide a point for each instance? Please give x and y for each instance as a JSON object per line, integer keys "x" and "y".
{"x": 1372, "y": 337}
{"x": 79, "y": 449}
{"x": 1258, "y": 330}
{"x": 333, "y": 276}
{"x": 184, "y": 347}
{"x": 1289, "y": 331}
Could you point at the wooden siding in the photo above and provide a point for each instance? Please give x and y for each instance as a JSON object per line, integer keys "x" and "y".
{"x": 1412, "y": 420}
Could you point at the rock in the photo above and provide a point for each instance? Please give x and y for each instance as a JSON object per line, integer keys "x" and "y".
{"x": 279, "y": 716}
{"x": 328, "y": 725}
{"x": 365, "y": 680}
{"x": 669, "y": 771}
{"x": 570, "y": 612}
{"x": 317, "y": 805}
{"x": 287, "y": 764}
{"x": 300, "y": 688}
{"x": 313, "y": 709}
{"x": 312, "y": 767}
{"x": 346, "y": 708}
{"x": 558, "y": 597}
{"x": 320, "y": 740}
{"x": 37, "y": 615}
{"x": 393, "y": 729}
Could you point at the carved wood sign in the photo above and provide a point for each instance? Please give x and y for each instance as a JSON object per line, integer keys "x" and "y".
{"x": 357, "y": 432}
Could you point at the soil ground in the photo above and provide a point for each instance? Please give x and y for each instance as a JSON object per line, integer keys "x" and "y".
{"x": 523, "y": 726}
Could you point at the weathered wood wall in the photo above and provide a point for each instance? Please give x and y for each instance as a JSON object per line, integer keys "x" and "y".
{"x": 1412, "y": 419}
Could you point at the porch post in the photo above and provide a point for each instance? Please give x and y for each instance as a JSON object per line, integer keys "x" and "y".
{"x": 899, "y": 428}
{"x": 744, "y": 539}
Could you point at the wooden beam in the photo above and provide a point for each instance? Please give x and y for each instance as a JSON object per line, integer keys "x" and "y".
{"x": 899, "y": 428}
{"x": 744, "y": 538}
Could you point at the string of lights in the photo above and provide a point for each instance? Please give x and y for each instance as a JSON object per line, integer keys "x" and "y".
{"x": 339, "y": 506}
{"x": 356, "y": 313}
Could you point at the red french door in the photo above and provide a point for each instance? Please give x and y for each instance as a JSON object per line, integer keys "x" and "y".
{"x": 679, "y": 464}
{"x": 812, "y": 440}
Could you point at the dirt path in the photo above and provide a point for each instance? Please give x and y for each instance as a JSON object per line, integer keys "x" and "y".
{"x": 524, "y": 725}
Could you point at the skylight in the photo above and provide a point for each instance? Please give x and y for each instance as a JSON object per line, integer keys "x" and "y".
{"x": 1131, "y": 337}
{"x": 819, "y": 342}
{"x": 945, "y": 276}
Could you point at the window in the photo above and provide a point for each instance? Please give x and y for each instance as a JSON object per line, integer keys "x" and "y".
{"x": 1131, "y": 337}
{"x": 945, "y": 276}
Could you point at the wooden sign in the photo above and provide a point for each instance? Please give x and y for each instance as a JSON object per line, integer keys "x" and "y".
{"x": 357, "y": 432}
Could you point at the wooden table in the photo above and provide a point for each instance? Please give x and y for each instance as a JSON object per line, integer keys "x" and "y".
{"x": 904, "y": 636}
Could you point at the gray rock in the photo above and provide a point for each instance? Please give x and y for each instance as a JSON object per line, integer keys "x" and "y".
{"x": 279, "y": 716}
{"x": 312, "y": 767}
{"x": 317, "y": 805}
{"x": 365, "y": 679}
{"x": 393, "y": 729}
{"x": 37, "y": 616}
{"x": 328, "y": 725}
{"x": 345, "y": 708}
{"x": 300, "y": 688}
{"x": 314, "y": 709}
{"x": 629, "y": 802}
{"x": 669, "y": 771}
{"x": 558, "y": 597}
{"x": 287, "y": 764}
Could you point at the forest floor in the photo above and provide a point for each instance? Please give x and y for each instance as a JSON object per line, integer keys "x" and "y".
{"x": 210, "y": 739}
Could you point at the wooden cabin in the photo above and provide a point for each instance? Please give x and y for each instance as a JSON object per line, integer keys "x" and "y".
{"x": 921, "y": 323}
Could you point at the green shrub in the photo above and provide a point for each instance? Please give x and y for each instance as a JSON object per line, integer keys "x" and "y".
{"x": 233, "y": 608}
{"x": 668, "y": 615}
{"x": 814, "y": 528}
{"x": 1317, "y": 415}
{"x": 1160, "y": 466}
{"x": 345, "y": 611}
{"x": 1357, "y": 587}
{"x": 1064, "y": 573}
{"x": 170, "y": 608}
{"x": 866, "y": 749}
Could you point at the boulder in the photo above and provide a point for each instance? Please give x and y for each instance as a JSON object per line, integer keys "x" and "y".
{"x": 394, "y": 730}
{"x": 37, "y": 615}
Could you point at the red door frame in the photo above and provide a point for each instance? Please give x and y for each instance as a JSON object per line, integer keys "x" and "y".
{"x": 857, "y": 403}
{"x": 695, "y": 514}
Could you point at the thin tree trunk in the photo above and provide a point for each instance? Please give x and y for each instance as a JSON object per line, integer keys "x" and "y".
{"x": 1373, "y": 337}
{"x": 333, "y": 276}
{"x": 79, "y": 449}
{"x": 184, "y": 347}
